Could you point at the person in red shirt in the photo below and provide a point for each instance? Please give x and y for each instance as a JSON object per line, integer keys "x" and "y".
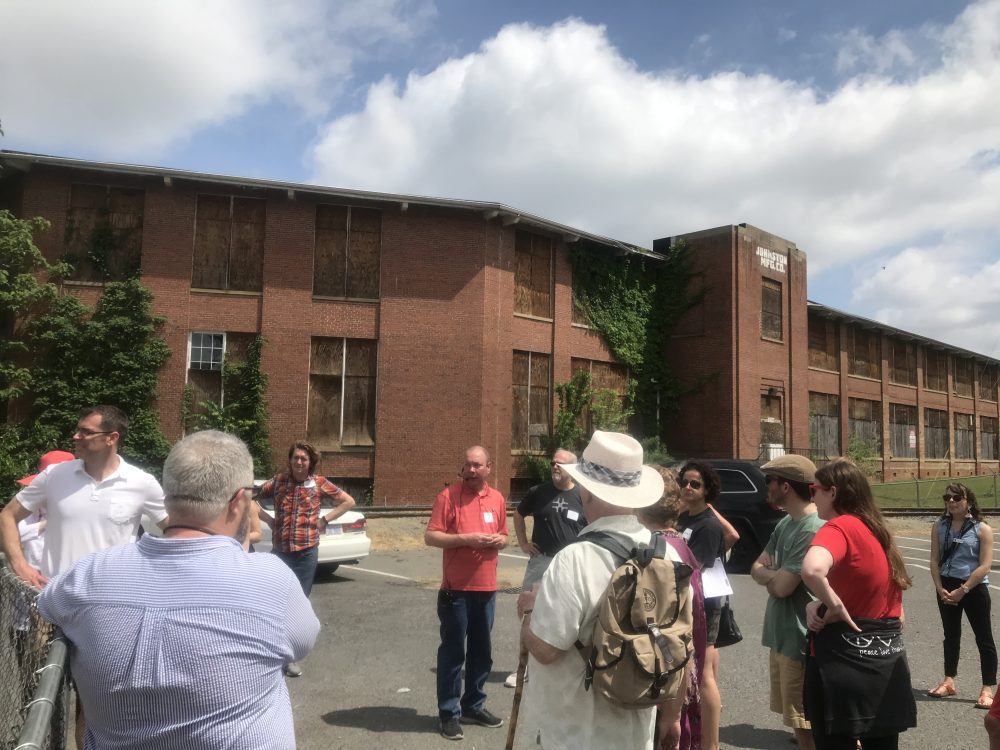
{"x": 298, "y": 522}
{"x": 469, "y": 522}
{"x": 857, "y": 682}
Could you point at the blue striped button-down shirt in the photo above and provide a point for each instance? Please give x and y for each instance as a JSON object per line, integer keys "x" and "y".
{"x": 180, "y": 643}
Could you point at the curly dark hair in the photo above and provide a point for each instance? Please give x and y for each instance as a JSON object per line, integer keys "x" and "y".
{"x": 713, "y": 485}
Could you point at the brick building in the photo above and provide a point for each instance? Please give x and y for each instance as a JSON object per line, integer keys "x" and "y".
{"x": 401, "y": 329}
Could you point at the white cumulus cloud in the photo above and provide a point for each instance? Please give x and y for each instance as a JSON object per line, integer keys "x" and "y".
{"x": 559, "y": 122}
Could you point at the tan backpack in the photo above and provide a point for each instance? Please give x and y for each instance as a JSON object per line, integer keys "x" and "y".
{"x": 642, "y": 638}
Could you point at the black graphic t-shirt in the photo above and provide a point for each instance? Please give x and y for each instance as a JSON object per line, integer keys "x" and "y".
{"x": 558, "y": 516}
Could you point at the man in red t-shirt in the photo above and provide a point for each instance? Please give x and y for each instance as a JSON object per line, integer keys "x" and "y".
{"x": 469, "y": 522}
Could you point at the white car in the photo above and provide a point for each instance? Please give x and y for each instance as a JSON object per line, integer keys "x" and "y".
{"x": 345, "y": 541}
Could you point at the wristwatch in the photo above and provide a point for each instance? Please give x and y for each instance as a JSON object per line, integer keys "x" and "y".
{"x": 964, "y": 588}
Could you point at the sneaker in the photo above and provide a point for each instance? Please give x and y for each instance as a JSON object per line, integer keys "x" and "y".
{"x": 481, "y": 717}
{"x": 451, "y": 729}
{"x": 292, "y": 669}
{"x": 511, "y": 680}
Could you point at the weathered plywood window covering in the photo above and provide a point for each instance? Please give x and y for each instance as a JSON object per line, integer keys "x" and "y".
{"x": 935, "y": 433}
{"x": 206, "y": 350}
{"x": 965, "y": 436}
{"x": 988, "y": 383}
{"x": 964, "y": 376}
{"x": 935, "y": 370}
{"x": 772, "y": 427}
{"x": 864, "y": 422}
{"x": 103, "y": 240}
{"x": 863, "y": 355}
{"x": 603, "y": 376}
{"x": 903, "y": 430}
{"x": 770, "y": 310}
{"x": 342, "y": 379}
{"x": 532, "y": 274}
{"x": 348, "y": 248}
{"x": 530, "y": 400}
{"x": 824, "y": 424}
{"x": 902, "y": 362}
{"x": 989, "y": 444}
{"x": 229, "y": 243}
{"x": 824, "y": 344}
{"x": 359, "y": 394}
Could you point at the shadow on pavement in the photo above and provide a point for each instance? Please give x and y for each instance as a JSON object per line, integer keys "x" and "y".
{"x": 382, "y": 719}
{"x": 745, "y": 735}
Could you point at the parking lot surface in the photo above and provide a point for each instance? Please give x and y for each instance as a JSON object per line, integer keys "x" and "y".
{"x": 369, "y": 682}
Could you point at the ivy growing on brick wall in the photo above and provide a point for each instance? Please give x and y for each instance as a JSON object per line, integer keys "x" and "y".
{"x": 635, "y": 302}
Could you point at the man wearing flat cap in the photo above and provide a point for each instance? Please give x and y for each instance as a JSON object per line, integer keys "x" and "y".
{"x": 779, "y": 568}
{"x": 558, "y": 712}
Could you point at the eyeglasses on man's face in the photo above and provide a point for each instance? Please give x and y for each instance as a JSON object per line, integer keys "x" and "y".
{"x": 86, "y": 433}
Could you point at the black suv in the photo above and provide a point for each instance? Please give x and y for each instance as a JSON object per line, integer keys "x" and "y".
{"x": 743, "y": 502}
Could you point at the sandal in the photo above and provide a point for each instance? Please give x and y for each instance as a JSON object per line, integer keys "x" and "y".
{"x": 985, "y": 702}
{"x": 944, "y": 690}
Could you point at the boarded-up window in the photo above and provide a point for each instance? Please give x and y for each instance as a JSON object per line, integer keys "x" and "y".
{"x": 902, "y": 362}
{"x": 935, "y": 433}
{"x": 935, "y": 370}
{"x": 988, "y": 382}
{"x": 772, "y": 426}
{"x": 824, "y": 424}
{"x": 989, "y": 447}
{"x": 229, "y": 243}
{"x": 903, "y": 430}
{"x": 604, "y": 376}
{"x": 208, "y": 353}
{"x": 863, "y": 356}
{"x": 824, "y": 344}
{"x": 103, "y": 240}
{"x": 348, "y": 247}
{"x": 531, "y": 401}
{"x": 965, "y": 436}
{"x": 342, "y": 380}
{"x": 964, "y": 376}
{"x": 770, "y": 310}
{"x": 532, "y": 274}
{"x": 864, "y": 423}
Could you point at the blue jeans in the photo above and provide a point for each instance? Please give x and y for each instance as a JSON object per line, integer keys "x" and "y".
{"x": 303, "y": 565}
{"x": 466, "y": 617}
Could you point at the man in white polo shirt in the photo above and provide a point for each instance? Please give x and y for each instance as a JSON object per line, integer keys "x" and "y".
{"x": 91, "y": 503}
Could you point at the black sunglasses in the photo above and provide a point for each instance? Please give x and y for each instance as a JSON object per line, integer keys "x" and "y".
{"x": 694, "y": 484}
{"x": 950, "y": 498}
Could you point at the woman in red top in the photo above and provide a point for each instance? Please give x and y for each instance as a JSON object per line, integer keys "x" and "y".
{"x": 857, "y": 684}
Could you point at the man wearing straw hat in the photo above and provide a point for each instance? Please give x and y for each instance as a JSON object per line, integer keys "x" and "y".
{"x": 558, "y": 711}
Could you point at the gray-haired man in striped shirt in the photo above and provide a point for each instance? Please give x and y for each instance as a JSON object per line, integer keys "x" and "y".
{"x": 169, "y": 648}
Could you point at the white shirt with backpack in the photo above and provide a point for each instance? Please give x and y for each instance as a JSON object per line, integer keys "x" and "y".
{"x": 557, "y": 712}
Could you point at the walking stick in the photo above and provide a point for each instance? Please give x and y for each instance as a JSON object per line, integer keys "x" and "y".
{"x": 522, "y": 665}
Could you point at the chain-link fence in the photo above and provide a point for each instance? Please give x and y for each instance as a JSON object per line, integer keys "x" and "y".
{"x": 928, "y": 493}
{"x": 34, "y": 688}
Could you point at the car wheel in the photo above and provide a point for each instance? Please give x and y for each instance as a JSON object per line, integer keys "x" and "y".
{"x": 744, "y": 552}
{"x": 328, "y": 569}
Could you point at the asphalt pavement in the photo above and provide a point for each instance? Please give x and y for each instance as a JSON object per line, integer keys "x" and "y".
{"x": 369, "y": 683}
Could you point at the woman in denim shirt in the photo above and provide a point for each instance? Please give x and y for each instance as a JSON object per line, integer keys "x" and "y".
{"x": 961, "y": 556}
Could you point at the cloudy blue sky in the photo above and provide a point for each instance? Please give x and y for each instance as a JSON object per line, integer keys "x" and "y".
{"x": 866, "y": 132}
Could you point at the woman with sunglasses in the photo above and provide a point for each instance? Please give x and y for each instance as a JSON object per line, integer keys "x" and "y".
{"x": 857, "y": 682}
{"x": 709, "y": 536}
{"x": 961, "y": 556}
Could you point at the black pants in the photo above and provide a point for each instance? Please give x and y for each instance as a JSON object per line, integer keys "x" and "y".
{"x": 836, "y": 742}
{"x": 976, "y": 605}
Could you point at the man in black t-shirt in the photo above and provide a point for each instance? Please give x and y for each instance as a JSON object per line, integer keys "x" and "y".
{"x": 558, "y": 514}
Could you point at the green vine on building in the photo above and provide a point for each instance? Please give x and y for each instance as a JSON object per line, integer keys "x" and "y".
{"x": 635, "y": 302}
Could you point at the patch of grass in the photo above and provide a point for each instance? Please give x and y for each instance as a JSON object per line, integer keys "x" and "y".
{"x": 926, "y": 493}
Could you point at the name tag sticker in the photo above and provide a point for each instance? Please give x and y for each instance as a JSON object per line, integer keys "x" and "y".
{"x": 686, "y": 535}
{"x": 572, "y": 515}
{"x": 488, "y": 516}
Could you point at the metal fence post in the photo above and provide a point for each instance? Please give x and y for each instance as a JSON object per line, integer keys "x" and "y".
{"x": 916, "y": 485}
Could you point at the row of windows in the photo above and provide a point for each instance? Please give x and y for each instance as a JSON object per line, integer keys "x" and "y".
{"x": 864, "y": 359}
{"x": 342, "y": 378}
{"x": 531, "y": 397}
{"x": 865, "y": 424}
